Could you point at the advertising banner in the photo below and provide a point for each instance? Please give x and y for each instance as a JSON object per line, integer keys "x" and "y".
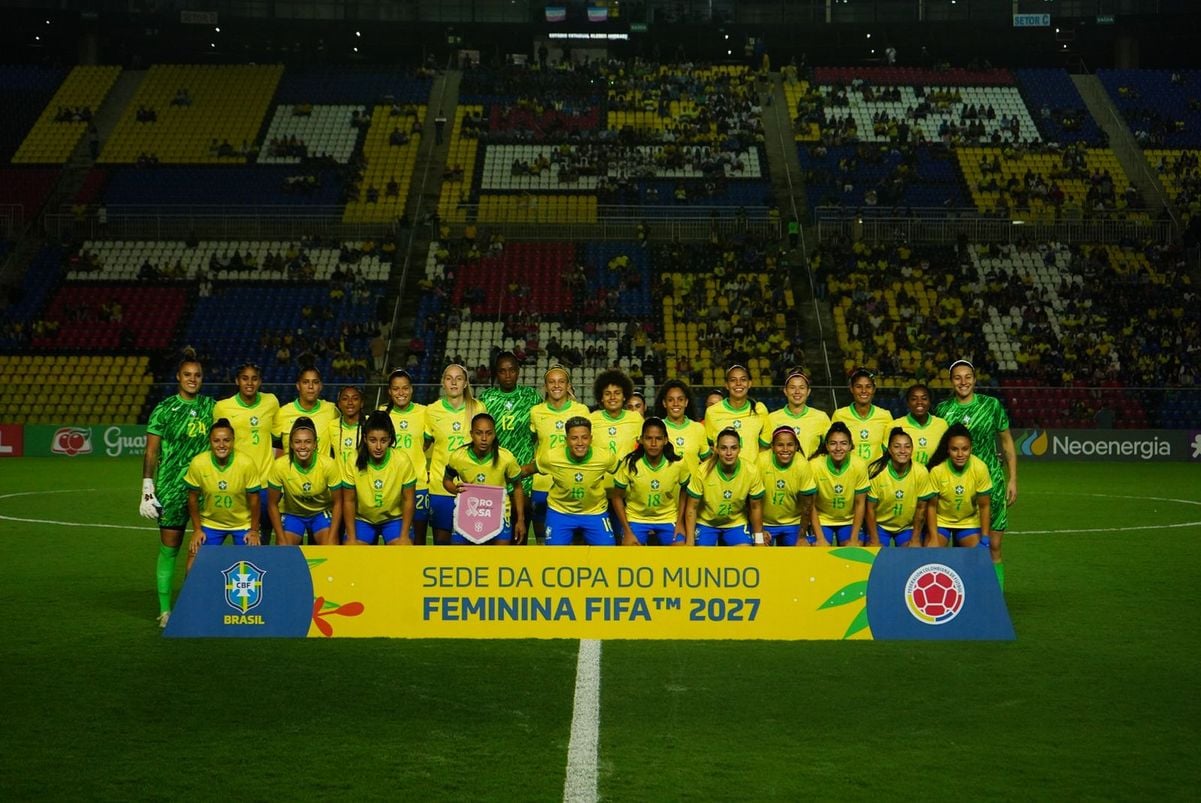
{"x": 592, "y": 592}
{"x": 12, "y": 441}
{"x": 1108, "y": 445}
{"x": 88, "y": 440}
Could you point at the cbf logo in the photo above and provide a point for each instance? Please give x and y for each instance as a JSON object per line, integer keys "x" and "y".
{"x": 934, "y": 594}
{"x": 243, "y": 586}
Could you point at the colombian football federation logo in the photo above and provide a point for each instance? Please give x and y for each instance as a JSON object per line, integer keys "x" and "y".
{"x": 934, "y": 594}
{"x": 243, "y": 586}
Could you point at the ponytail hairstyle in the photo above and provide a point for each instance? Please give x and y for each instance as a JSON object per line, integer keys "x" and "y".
{"x": 566, "y": 374}
{"x": 186, "y": 357}
{"x": 377, "y": 421}
{"x": 342, "y": 419}
{"x": 660, "y": 409}
{"x": 669, "y": 450}
{"x": 837, "y": 426}
{"x": 881, "y": 462}
{"x": 398, "y": 373}
{"x": 470, "y": 405}
{"x": 303, "y": 422}
{"x": 248, "y": 366}
{"x": 941, "y": 452}
{"x": 495, "y": 443}
{"x": 612, "y": 376}
{"x": 784, "y": 429}
{"x": 713, "y": 459}
{"x": 221, "y": 423}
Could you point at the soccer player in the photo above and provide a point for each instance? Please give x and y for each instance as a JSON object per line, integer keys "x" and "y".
{"x": 447, "y": 424}
{"x": 923, "y": 428}
{"x": 637, "y": 403}
{"x": 223, "y": 494}
{"x": 252, "y": 414}
{"x": 809, "y": 424}
{"x": 178, "y": 431}
{"x": 510, "y": 404}
{"x": 988, "y": 423}
{"x": 649, "y": 499}
{"x": 964, "y": 486}
{"x": 842, "y": 486}
{"x": 344, "y": 431}
{"x": 738, "y": 411}
{"x": 484, "y": 462}
{"x": 381, "y": 502}
{"x": 308, "y": 403}
{"x": 309, "y": 485}
{"x": 867, "y": 423}
{"x": 547, "y": 422}
{"x": 674, "y": 406}
{"x": 581, "y": 480}
{"x": 711, "y": 398}
{"x": 408, "y": 422}
{"x": 788, "y": 482}
{"x": 724, "y": 496}
{"x": 613, "y": 426}
{"x": 896, "y": 502}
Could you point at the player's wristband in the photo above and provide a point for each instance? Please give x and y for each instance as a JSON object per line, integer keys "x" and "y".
{"x": 759, "y": 538}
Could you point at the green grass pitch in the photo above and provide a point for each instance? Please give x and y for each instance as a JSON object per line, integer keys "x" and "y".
{"x": 1096, "y": 699}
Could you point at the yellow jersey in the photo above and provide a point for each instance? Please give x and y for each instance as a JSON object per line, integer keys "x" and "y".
{"x": 546, "y": 422}
{"x": 689, "y": 441}
{"x": 345, "y": 441}
{"x": 474, "y": 470}
{"x": 810, "y": 426}
{"x": 323, "y": 414}
{"x": 837, "y": 488}
{"x": 958, "y": 491}
{"x": 252, "y": 425}
{"x": 749, "y": 420}
{"x": 446, "y": 428}
{"x": 783, "y": 486}
{"x": 724, "y": 498}
{"x": 306, "y": 491}
{"x": 869, "y": 434}
{"x": 223, "y": 489}
{"x": 379, "y": 488}
{"x": 925, "y": 438}
{"x": 577, "y": 486}
{"x": 896, "y": 497}
{"x": 652, "y": 493}
{"x": 619, "y": 435}
{"x": 409, "y": 424}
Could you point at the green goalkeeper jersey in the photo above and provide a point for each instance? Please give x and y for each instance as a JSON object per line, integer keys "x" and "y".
{"x": 183, "y": 427}
{"x": 984, "y": 417}
{"x": 512, "y": 413}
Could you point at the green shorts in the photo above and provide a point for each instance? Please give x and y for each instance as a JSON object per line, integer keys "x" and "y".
{"x": 174, "y": 499}
{"x": 999, "y": 507}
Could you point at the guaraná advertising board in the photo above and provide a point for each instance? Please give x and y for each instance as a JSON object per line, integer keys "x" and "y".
{"x": 592, "y": 592}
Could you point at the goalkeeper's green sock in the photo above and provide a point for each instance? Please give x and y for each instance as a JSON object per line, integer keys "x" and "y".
{"x": 1000, "y": 569}
{"x": 164, "y": 572}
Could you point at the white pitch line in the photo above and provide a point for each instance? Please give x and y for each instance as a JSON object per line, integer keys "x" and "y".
{"x": 580, "y": 784}
{"x": 64, "y": 523}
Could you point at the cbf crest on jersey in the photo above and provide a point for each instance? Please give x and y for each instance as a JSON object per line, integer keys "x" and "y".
{"x": 243, "y": 586}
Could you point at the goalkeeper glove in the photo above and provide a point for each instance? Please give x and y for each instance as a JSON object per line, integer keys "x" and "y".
{"x": 150, "y": 507}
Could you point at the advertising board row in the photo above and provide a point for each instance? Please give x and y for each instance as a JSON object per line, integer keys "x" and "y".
{"x": 1117, "y": 445}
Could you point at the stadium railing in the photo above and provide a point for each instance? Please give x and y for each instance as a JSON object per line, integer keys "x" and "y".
{"x": 948, "y": 225}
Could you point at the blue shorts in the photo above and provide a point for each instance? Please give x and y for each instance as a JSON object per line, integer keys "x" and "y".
{"x": 955, "y": 534}
{"x": 728, "y": 536}
{"x": 506, "y": 534}
{"x": 442, "y": 511}
{"x": 899, "y": 538}
{"x": 562, "y": 528}
{"x": 367, "y": 533}
{"x": 218, "y": 537}
{"x": 538, "y": 500}
{"x": 783, "y": 534}
{"x": 837, "y": 535}
{"x": 421, "y": 510}
{"x": 664, "y": 533}
{"x": 307, "y": 525}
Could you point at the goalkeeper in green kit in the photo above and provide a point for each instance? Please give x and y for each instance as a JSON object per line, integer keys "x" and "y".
{"x": 178, "y": 431}
{"x": 509, "y": 404}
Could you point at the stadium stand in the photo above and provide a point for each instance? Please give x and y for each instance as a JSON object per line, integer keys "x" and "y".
{"x": 149, "y": 189}
{"x": 1059, "y": 111}
{"x": 311, "y": 132}
{"x": 24, "y": 93}
{"x": 189, "y": 114}
{"x": 460, "y": 164}
{"x": 85, "y": 389}
{"x": 27, "y": 188}
{"x": 1161, "y": 107}
{"x": 112, "y": 316}
{"x": 381, "y": 190}
{"x": 22, "y": 318}
{"x": 360, "y": 86}
{"x": 65, "y": 119}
